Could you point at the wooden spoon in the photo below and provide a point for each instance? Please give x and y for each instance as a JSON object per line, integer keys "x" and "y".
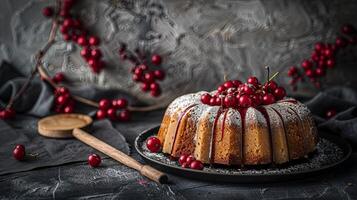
{"x": 69, "y": 125}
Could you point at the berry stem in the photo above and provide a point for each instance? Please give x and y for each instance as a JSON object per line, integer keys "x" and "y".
{"x": 274, "y": 75}
{"x": 39, "y": 56}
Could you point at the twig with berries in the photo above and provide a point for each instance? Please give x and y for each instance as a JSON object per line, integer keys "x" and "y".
{"x": 323, "y": 58}
{"x": 141, "y": 70}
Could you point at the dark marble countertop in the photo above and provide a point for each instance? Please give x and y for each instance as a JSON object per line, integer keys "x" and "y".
{"x": 114, "y": 181}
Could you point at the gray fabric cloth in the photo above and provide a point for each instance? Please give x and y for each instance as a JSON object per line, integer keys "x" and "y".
{"x": 344, "y": 100}
{"x": 35, "y": 103}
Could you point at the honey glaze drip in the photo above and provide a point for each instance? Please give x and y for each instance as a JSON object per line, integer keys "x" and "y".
{"x": 285, "y": 133}
{"x": 179, "y": 122}
{"x": 212, "y": 141}
{"x": 267, "y": 119}
{"x": 242, "y": 112}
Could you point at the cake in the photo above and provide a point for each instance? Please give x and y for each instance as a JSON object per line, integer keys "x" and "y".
{"x": 239, "y": 124}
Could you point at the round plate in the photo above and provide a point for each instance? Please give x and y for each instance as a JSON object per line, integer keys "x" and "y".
{"x": 331, "y": 151}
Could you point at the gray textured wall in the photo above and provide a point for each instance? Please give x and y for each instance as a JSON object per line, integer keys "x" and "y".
{"x": 200, "y": 40}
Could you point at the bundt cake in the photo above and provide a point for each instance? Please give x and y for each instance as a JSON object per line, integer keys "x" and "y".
{"x": 239, "y": 124}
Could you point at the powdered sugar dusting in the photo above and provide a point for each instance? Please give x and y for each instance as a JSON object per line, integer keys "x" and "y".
{"x": 254, "y": 115}
{"x": 233, "y": 117}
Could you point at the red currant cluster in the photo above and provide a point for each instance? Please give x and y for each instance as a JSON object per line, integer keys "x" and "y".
{"x": 141, "y": 72}
{"x": 323, "y": 57}
{"x": 235, "y": 94}
{"x": 115, "y": 109}
{"x": 63, "y": 101}
{"x": 73, "y": 30}
{"x": 7, "y": 113}
{"x": 188, "y": 161}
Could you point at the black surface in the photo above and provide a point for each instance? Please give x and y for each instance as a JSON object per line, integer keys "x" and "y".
{"x": 115, "y": 181}
{"x": 250, "y": 175}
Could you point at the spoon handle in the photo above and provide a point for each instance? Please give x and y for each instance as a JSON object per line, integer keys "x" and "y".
{"x": 119, "y": 156}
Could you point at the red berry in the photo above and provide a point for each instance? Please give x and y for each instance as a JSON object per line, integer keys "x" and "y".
{"x": 341, "y": 42}
{"x": 66, "y": 37}
{"x": 64, "y": 13}
{"x": 330, "y": 63}
{"x": 230, "y": 101}
{"x": 215, "y": 101}
{"x": 94, "y": 160}
{"x": 279, "y": 93}
{"x": 236, "y": 83}
{"x": 347, "y": 29}
{"x": 122, "y": 103}
{"x": 145, "y": 87}
{"x": 257, "y": 99}
{"x": 85, "y": 52}
{"x": 319, "y": 46}
{"x": 228, "y": 84}
{"x": 156, "y": 59}
{"x": 61, "y": 91}
{"x": 315, "y": 56}
{"x": 68, "y": 109}
{"x": 101, "y": 114}
{"x": 328, "y": 53}
{"x": 104, "y": 104}
{"x": 7, "y": 113}
{"x": 96, "y": 53}
{"x": 268, "y": 99}
{"x": 205, "y": 99}
{"x": 62, "y": 99}
{"x": 155, "y": 93}
{"x": 319, "y": 72}
{"x": 154, "y": 86}
{"x": 248, "y": 90}
{"x": 159, "y": 74}
{"x": 321, "y": 64}
{"x": 185, "y": 165}
{"x": 153, "y": 144}
{"x": 272, "y": 85}
{"x": 190, "y": 159}
{"x": 20, "y": 146}
{"x": 93, "y": 40}
{"x": 64, "y": 29}
{"x": 310, "y": 73}
{"x": 306, "y": 64}
{"x": 143, "y": 67}
{"x": 331, "y": 113}
{"x": 196, "y": 164}
{"x": 182, "y": 159}
{"x": 68, "y": 22}
{"x": 221, "y": 89}
{"x": 136, "y": 77}
{"x": 19, "y": 152}
{"x": 47, "y": 11}
{"x": 138, "y": 71}
{"x": 253, "y": 80}
{"x": 124, "y": 115}
{"x": 292, "y": 71}
{"x": 82, "y": 40}
{"x": 112, "y": 113}
{"x": 149, "y": 77}
{"x": 59, "y": 77}
{"x": 245, "y": 101}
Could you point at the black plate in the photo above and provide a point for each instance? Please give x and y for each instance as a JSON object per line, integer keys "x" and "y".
{"x": 331, "y": 152}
